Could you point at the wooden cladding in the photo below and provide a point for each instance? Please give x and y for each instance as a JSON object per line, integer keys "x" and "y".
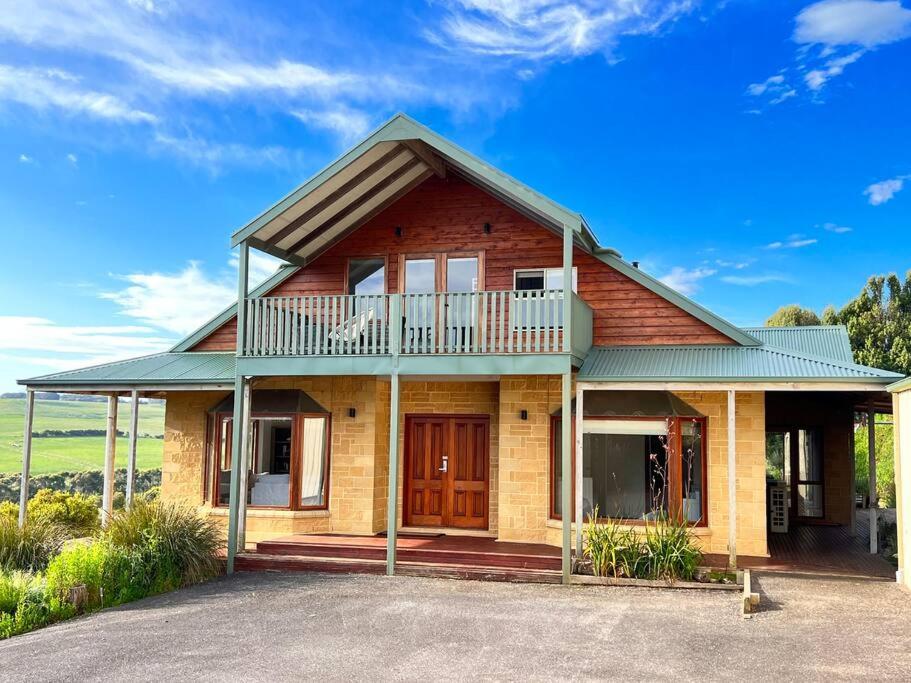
{"x": 528, "y": 321}
{"x": 448, "y": 216}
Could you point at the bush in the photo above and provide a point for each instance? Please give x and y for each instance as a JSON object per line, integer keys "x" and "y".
{"x": 666, "y": 550}
{"x": 31, "y": 547}
{"x": 25, "y": 604}
{"x": 77, "y": 513}
{"x": 79, "y": 564}
{"x": 172, "y": 538}
{"x": 88, "y": 482}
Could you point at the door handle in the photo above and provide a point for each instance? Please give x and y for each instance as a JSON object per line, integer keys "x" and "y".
{"x": 445, "y": 466}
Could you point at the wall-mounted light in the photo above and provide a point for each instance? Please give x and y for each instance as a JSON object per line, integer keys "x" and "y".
{"x": 351, "y": 412}
{"x": 398, "y": 231}
{"x": 523, "y": 414}
{"x": 487, "y": 228}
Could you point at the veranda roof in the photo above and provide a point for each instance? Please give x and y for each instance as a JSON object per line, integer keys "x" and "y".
{"x": 633, "y": 404}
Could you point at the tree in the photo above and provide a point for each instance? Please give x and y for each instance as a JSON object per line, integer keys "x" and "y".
{"x": 879, "y": 323}
{"x": 792, "y": 315}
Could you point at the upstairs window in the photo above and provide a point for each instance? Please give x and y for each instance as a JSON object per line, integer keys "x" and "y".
{"x": 533, "y": 310}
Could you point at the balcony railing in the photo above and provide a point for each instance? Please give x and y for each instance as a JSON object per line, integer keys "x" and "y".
{"x": 527, "y": 321}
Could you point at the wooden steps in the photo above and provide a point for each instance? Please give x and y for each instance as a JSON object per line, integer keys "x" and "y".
{"x": 458, "y": 554}
{"x": 250, "y": 562}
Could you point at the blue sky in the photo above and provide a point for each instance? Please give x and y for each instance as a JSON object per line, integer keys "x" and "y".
{"x": 750, "y": 153}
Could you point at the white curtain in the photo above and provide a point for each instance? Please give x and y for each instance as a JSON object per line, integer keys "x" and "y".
{"x": 313, "y": 460}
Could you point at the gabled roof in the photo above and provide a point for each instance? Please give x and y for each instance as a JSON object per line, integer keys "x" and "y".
{"x": 828, "y": 341}
{"x": 158, "y": 369}
{"x": 692, "y": 363}
{"x": 391, "y": 161}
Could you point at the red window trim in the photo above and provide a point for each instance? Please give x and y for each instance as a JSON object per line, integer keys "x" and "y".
{"x": 294, "y": 468}
{"x": 673, "y": 467}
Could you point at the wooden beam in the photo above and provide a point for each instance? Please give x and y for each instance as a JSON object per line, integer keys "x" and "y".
{"x": 355, "y": 205}
{"x": 334, "y": 196}
{"x": 26, "y": 454}
{"x": 567, "y": 287}
{"x": 566, "y": 465}
{"x": 110, "y": 448}
{"x": 423, "y": 151}
{"x": 732, "y": 479}
{"x": 580, "y": 520}
{"x": 874, "y": 502}
{"x": 237, "y": 457}
{"x": 131, "y": 453}
{"x": 378, "y": 209}
{"x": 244, "y": 449}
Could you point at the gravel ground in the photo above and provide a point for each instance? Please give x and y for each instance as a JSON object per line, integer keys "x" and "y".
{"x": 305, "y": 626}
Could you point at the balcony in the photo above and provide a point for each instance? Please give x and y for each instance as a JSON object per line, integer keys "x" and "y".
{"x": 434, "y": 324}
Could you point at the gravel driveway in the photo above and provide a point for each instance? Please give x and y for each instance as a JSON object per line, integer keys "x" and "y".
{"x": 306, "y": 626}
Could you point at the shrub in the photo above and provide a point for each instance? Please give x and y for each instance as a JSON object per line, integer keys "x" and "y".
{"x": 77, "y": 513}
{"x": 613, "y": 550}
{"x": 31, "y": 547}
{"x": 9, "y": 509}
{"x": 175, "y": 540}
{"x": 25, "y": 604}
{"x": 671, "y": 551}
{"x": 79, "y": 564}
{"x": 13, "y": 586}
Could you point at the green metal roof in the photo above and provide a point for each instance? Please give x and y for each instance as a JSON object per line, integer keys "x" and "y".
{"x": 828, "y": 341}
{"x": 158, "y": 369}
{"x": 720, "y": 363}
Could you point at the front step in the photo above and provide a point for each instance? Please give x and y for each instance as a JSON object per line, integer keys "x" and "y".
{"x": 449, "y": 556}
{"x": 252, "y": 562}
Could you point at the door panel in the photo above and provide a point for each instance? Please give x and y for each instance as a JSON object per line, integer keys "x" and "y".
{"x": 447, "y": 471}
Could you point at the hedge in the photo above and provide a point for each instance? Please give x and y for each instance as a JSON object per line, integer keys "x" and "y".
{"x": 89, "y": 482}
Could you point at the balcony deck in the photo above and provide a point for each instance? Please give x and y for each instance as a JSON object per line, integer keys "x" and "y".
{"x": 468, "y": 328}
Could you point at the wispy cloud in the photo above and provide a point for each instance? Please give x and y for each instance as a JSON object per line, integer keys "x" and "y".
{"x": 836, "y": 228}
{"x": 25, "y": 159}
{"x": 686, "y": 280}
{"x": 72, "y": 159}
{"x": 831, "y": 35}
{"x": 736, "y": 265}
{"x": 215, "y": 156}
{"x": 793, "y": 242}
{"x": 348, "y": 124}
{"x": 550, "y": 29}
{"x": 753, "y": 280}
{"x": 885, "y": 190}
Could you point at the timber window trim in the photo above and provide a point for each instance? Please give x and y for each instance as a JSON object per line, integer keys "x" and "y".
{"x": 221, "y": 443}
{"x": 675, "y": 464}
{"x": 441, "y": 260}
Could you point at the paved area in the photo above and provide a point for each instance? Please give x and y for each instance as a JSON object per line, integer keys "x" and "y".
{"x": 307, "y": 626}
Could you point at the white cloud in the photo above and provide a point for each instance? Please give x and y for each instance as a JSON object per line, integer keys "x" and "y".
{"x": 25, "y": 159}
{"x": 736, "y": 265}
{"x": 39, "y": 341}
{"x": 73, "y": 159}
{"x": 686, "y": 281}
{"x": 753, "y": 280}
{"x": 348, "y": 124}
{"x": 836, "y": 228}
{"x": 884, "y": 190}
{"x": 793, "y": 242}
{"x": 832, "y": 35}
{"x": 853, "y": 22}
{"x": 260, "y": 266}
{"x": 176, "y": 302}
{"x": 215, "y": 156}
{"x": 550, "y": 29}
{"x": 44, "y": 89}
{"x": 817, "y": 78}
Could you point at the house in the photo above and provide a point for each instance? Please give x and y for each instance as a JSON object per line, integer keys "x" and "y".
{"x": 445, "y": 345}
{"x": 901, "y": 401}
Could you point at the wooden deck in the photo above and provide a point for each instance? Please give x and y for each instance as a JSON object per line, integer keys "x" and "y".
{"x": 466, "y": 557}
{"x": 828, "y": 550}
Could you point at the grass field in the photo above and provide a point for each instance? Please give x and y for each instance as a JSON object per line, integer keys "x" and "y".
{"x": 74, "y": 453}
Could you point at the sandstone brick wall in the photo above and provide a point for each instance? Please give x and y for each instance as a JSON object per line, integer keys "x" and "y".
{"x": 183, "y": 460}
{"x": 524, "y": 469}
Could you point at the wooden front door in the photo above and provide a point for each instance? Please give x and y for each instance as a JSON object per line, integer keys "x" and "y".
{"x": 447, "y": 471}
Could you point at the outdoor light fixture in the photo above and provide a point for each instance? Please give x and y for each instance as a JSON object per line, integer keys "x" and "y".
{"x": 351, "y": 412}
{"x": 523, "y": 414}
{"x": 398, "y": 231}
{"x": 487, "y": 228}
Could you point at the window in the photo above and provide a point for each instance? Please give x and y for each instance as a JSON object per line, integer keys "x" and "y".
{"x": 287, "y": 463}
{"x": 543, "y": 278}
{"x": 638, "y": 469}
{"x": 794, "y": 457}
{"x": 367, "y": 276}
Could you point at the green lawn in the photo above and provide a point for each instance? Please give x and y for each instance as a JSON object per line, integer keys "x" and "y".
{"x": 74, "y": 453}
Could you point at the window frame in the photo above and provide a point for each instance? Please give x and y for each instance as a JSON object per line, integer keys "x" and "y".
{"x": 295, "y": 467}
{"x": 346, "y": 285}
{"x": 517, "y": 271}
{"x": 674, "y": 467}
